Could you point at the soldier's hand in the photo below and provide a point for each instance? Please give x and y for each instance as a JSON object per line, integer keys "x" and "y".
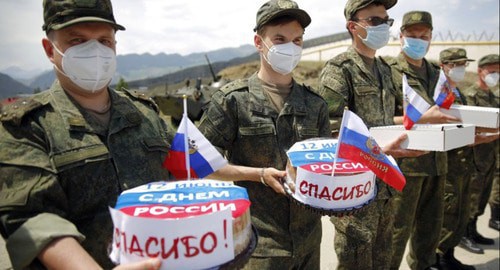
{"x": 149, "y": 264}
{"x": 272, "y": 178}
{"x": 394, "y": 149}
{"x": 434, "y": 116}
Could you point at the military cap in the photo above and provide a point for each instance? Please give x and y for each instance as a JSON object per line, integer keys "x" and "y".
{"x": 279, "y": 8}
{"x": 488, "y": 60}
{"x": 452, "y": 55}
{"x": 58, "y": 14}
{"x": 352, "y": 6}
{"x": 416, "y": 17}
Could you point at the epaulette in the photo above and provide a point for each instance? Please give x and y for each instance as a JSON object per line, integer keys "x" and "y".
{"x": 15, "y": 111}
{"x": 340, "y": 59}
{"x": 142, "y": 97}
{"x": 234, "y": 85}
{"x": 389, "y": 60}
{"x": 434, "y": 64}
{"x": 312, "y": 90}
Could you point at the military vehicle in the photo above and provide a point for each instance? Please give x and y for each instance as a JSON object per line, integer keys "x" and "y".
{"x": 171, "y": 104}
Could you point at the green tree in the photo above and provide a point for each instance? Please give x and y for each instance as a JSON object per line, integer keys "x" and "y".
{"x": 122, "y": 84}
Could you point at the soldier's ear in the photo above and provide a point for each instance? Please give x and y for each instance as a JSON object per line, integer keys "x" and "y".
{"x": 257, "y": 40}
{"x": 48, "y": 48}
{"x": 351, "y": 26}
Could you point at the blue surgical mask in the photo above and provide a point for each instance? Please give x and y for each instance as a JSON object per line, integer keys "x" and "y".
{"x": 376, "y": 36}
{"x": 415, "y": 48}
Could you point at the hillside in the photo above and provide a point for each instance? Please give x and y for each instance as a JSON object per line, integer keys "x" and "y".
{"x": 10, "y": 87}
{"x": 306, "y": 72}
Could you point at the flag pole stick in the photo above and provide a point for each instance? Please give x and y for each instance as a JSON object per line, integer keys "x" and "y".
{"x": 339, "y": 138}
{"x": 186, "y": 143}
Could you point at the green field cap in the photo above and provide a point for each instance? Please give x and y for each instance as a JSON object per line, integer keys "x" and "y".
{"x": 278, "y": 8}
{"x": 352, "y": 6}
{"x": 58, "y": 14}
{"x": 488, "y": 60}
{"x": 452, "y": 55}
{"x": 416, "y": 17}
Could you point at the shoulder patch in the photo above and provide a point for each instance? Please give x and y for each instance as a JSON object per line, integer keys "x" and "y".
{"x": 234, "y": 85}
{"x": 15, "y": 111}
{"x": 142, "y": 97}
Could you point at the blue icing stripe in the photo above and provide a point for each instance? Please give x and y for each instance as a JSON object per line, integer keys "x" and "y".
{"x": 181, "y": 196}
{"x": 303, "y": 158}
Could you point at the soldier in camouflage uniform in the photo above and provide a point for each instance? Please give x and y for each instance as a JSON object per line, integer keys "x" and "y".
{"x": 362, "y": 82}
{"x": 419, "y": 208}
{"x": 254, "y": 121}
{"x": 494, "y": 201}
{"x": 457, "y": 186}
{"x": 485, "y": 155}
{"x": 68, "y": 152}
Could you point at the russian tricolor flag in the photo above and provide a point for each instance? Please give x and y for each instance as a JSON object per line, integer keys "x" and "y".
{"x": 415, "y": 105}
{"x": 443, "y": 93}
{"x": 356, "y": 144}
{"x": 191, "y": 154}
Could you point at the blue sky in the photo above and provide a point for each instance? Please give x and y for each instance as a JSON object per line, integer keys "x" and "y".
{"x": 189, "y": 26}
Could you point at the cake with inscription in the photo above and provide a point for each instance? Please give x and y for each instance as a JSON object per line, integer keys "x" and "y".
{"x": 319, "y": 182}
{"x": 187, "y": 207}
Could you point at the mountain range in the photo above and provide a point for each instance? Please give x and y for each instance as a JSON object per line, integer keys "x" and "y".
{"x": 146, "y": 70}
{"x": 130, "y": 67}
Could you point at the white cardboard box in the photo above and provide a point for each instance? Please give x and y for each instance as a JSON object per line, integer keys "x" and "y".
{"x": 479, "y": 116}
{"x": 436, "y": 137}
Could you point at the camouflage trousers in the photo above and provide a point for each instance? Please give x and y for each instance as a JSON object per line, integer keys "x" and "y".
{"x": 363, "y": 240}
{"x": 309, "y": 261}
{"x": 481, "y": 186}
{"x": 494, "y": 200}
{"x": 418, "y": 217}
{"x": 456, "y": 209}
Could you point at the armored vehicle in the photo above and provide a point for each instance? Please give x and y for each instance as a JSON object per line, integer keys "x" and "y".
{"x": 197, "y": 97}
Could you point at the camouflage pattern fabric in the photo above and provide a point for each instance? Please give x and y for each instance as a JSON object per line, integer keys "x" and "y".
{"x": 419, "y": 207}
{"x": 353, "y": 6}
{"x": 416, "y": 17}
{"x": 311, "y": 261}
{"x": 485, "y": 155}
{"x": 242, "y": 122}
{"x": 347, "y": 81}
{"x": 61, "y": 169}
{"x": 494, "y": 199}
{"x": 488, "y": 60}
{"x": 434, "y": 163}
{"x": 456, "y": 192}
{"x": 58, "y": 14}
{"x": 364, "y": 240}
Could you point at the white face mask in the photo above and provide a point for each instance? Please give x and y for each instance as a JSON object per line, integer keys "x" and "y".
{"x": 491, "y": 79}
{"x": 376, "y": 36}
{"x": 457, "y": 74}
{"x": 283, "y": 58}
{"x": 89, "y": 65}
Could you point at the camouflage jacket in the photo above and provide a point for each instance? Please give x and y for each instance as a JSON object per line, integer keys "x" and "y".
{"x": 460, "y": 160}
{"x": 242, "y": 122}
{"x": 434, "y": 163}
{"x": 346, "y": 81}
{"x": 60, "y": 169}
{"x": 484, "y": 154}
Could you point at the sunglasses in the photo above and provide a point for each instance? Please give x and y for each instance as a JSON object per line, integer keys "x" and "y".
{"x": 374, "y": 21}
{"x": 457, "y": 64}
